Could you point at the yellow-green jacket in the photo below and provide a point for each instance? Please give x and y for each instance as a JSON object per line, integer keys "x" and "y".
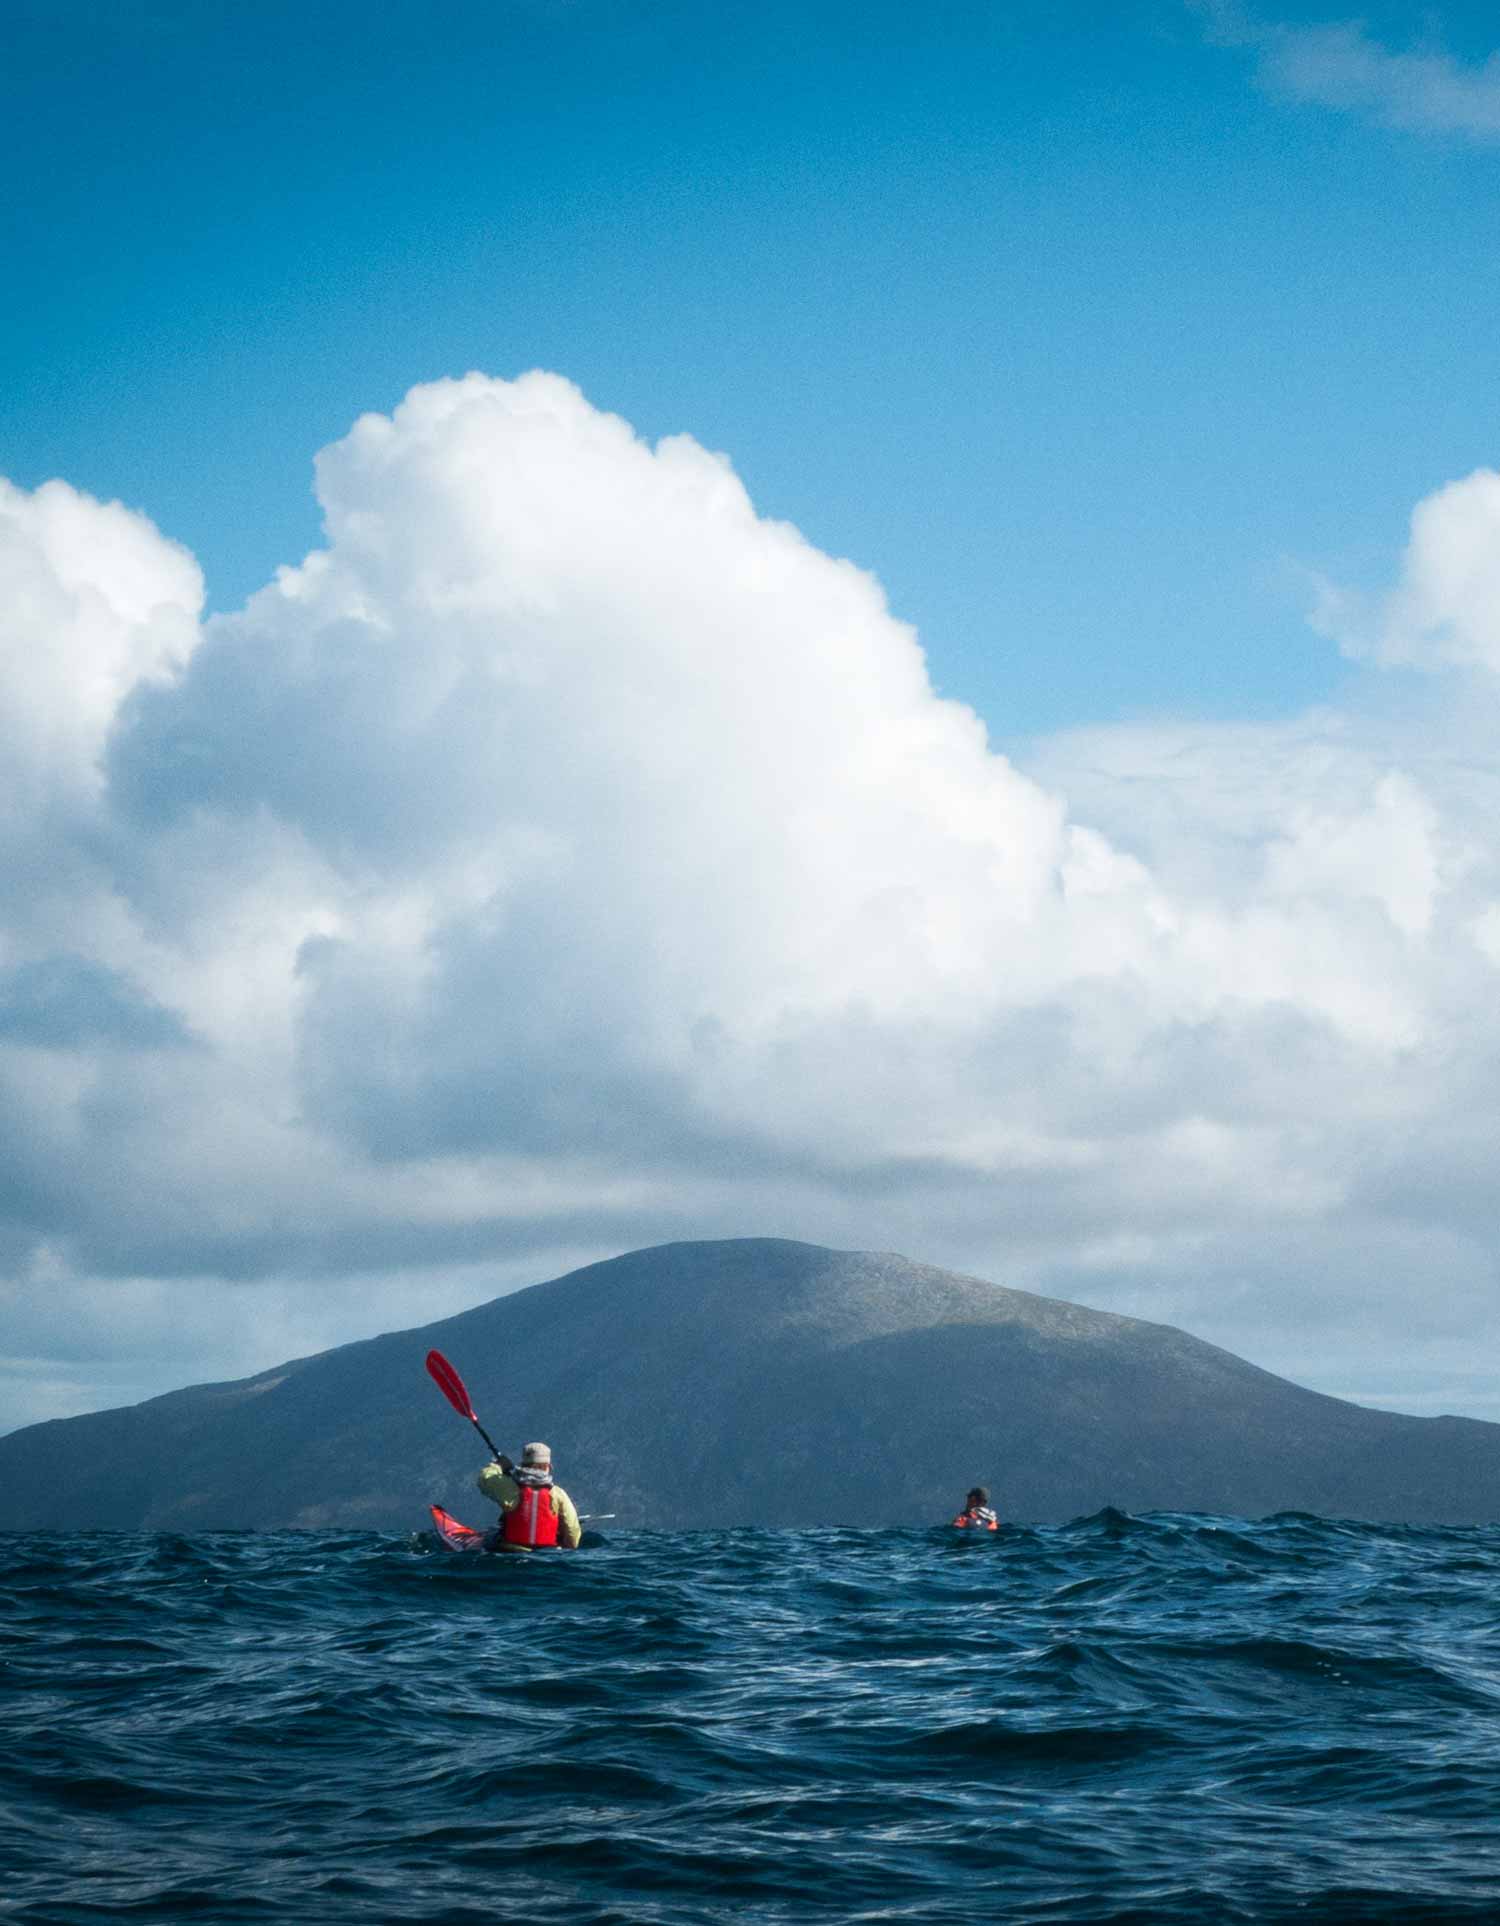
{"x": 506, "y": 1493}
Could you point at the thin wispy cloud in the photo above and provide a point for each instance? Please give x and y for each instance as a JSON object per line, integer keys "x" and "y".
{"x": 1339, "y": 64}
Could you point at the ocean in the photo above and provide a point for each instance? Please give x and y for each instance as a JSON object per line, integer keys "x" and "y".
{"x": 1142, "y": 1719}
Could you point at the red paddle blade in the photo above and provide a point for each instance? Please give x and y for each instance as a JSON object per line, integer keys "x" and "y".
{"x": 450, "y": 1384}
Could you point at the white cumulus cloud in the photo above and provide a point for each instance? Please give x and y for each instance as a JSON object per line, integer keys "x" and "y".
{"x": 1445, "y": 612}
{"x": 566, "y": 857}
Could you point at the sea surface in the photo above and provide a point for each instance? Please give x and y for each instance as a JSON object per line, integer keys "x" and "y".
{"x": 1148, "y": 1719}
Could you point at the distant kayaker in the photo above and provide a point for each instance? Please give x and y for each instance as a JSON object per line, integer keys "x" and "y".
{"x": 534, "y": 1511}
{"x": 976, "y": 1514}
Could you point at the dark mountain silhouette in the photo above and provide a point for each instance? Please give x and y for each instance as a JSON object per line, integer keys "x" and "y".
{"x": 757, "y": 1382}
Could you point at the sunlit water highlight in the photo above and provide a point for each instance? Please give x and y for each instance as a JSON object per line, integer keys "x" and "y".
{"x": 1123, "y": 1719}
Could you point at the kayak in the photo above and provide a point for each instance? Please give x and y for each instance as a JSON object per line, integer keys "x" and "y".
{"x": 456, "y": 1536}
{"x": 463, "y": 1538}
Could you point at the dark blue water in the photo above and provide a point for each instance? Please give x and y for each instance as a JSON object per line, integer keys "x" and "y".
{"x": 1124, "y": 1719}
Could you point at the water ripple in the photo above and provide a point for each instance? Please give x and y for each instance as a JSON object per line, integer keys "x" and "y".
{"x": 1152, "y": 1719}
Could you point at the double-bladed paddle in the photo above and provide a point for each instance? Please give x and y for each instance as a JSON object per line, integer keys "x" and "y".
{"x": 451, "y": 1385}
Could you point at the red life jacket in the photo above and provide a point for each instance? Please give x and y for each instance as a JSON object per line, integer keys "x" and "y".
{"x": 534, "y": 1520}
{"x": 984, "y": 1520}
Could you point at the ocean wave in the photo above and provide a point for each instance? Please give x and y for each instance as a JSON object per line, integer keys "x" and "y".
{"x": 1156, "y": 1718}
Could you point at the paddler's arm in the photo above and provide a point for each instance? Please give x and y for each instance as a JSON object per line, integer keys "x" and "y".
{"x": 569, "y": 1531}
{"x": 497, "y": 1484}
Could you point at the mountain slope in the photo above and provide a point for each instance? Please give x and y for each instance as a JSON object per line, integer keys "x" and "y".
{"x": 757, "y": 1381}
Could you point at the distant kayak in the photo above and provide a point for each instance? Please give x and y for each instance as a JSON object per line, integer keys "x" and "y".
{"x": 460, "y": 1537}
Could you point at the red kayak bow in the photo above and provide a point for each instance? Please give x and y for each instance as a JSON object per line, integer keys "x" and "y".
{"x": 456, "y": 1536}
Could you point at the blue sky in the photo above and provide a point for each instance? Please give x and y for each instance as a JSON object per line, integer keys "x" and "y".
{"x": 1078, "y": 337}
{"x": 561, "y": 854}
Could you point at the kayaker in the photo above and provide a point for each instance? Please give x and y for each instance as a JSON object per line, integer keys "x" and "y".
{"x": 976, "y": 1514}
{"x": 534, "y": 1511}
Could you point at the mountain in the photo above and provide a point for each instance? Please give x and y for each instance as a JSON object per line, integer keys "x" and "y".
{"x": 756, "y": 1381}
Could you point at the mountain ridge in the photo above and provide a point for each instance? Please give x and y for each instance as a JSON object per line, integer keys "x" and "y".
{"x": 757, "y": 1381}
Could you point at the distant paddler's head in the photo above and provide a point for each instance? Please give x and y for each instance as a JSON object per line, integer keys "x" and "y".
{"x": 536, "y": 1457}
{"x": 978, "y": 1496}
